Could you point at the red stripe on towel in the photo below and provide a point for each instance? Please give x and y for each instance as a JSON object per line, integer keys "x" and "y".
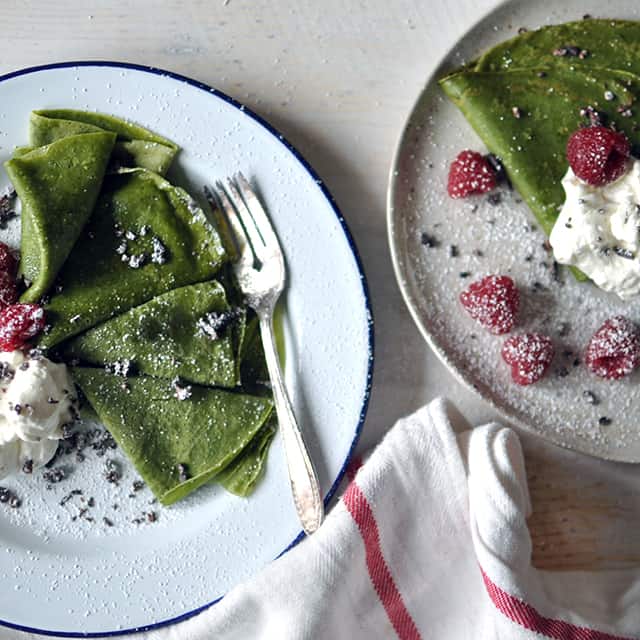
{"x": 383, "y": 583}
{"x": 529, "y": 618}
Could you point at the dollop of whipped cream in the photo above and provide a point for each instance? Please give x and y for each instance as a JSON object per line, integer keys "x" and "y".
{"x": 598, "y": 231}
{"x": 36, "y": 399}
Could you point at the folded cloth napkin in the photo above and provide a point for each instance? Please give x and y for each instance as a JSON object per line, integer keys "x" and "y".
{"x": 429, "y": 540}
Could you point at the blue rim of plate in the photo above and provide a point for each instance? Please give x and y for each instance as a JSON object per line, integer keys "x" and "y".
{"x": 365, "y": 290}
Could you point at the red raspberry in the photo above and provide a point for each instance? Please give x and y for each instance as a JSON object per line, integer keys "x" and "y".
{"x": 8, "y": 289}
{"x": 18, "y": 324}
{"x": 598, "y": 155}
{"x": 529, "y": 355}
{"x": 470, "y": 173}
{"x": 8, "y": 262}
{"x": 493, "y": 302}
{"x": 614, "y": 349}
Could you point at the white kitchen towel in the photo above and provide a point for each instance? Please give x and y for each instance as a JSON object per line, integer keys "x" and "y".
{"x": 429, "y": 540}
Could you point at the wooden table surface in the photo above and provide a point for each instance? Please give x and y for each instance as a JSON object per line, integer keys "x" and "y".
{"x": 339, "y": 78}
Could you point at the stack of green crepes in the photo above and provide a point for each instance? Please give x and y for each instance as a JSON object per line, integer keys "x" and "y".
{"x": 136, "y": 289}
{"x": 527, "y": 95}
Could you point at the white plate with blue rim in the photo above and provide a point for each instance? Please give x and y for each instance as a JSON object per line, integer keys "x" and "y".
{"x": 67, "y": 576}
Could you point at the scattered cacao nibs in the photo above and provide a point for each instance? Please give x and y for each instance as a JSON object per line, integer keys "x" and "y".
{"x": 562, "y": 372}
{"x": 604, "y": 421}
{"x": 152, "y": 516}
{"x": 17, "y": 407}
{"x": 135, "y": 262}
{"x": 516, "y": 113}
{"x": 215, "y": 323}
{"x": 576, "y": 362}
{"x": 528, "y": 258}
{"x": 91, "y": 502}
{"x": 113, "y": 472}
{"x": 563, "y": 332}
{"x": 586, "y": 16}
{"x": 538, "y": 286}
{"x": 453, "y": 251}
{"x": 568, "y": 225}
{"x": 478, "y": 253}
{"x": 624, "y": 253}
{"x": 183, "y": 472}
{"x": 522, "y": 30}
{"x": 54, "y": 475}
{"x": 494, "y": 199}
{"x": 108, "y": 522}
{"x": 119, "y": 368}
{"x": 6, "y": 372}
{"x": 27, "y": 466}
{"x": 35, "y": 354}
{"x": 464, "y": 274}
{"x": 51, "y": 400}
{"x": 138, "y": 485}
{"x": 7, "y": 212}
{"x": 24, "y": 366}
{"x": 15, "y": 502}
{"x": 158, "y": 252}
{"x": 555, "y": 274}
{"x": 590, "y": 397}
{"x": 570, "y": 51}
{"x": 69, "y": 496}
{"x": 181, "y": 391}
{"x": 429, "y": 241}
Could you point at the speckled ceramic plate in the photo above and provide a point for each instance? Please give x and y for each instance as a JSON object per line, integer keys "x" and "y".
{"x": 65, "y": 571}
{"x": 467, "y": 239}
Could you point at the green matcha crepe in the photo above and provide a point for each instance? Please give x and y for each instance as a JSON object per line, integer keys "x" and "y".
{"x": 243, "y": 473}
{"x": 135, "y": 146}
{"x": 608, "y": 44}
{"x": 58, "y": 185}
{"x": 185, "y": 333}
{"x": 549, "y": 90}
{"x": 145, "y": 237}
{"x": 178, "y": 445}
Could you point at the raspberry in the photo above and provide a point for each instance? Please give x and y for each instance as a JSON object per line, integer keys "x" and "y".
{"x": 470, "y": 173}
{"x": 493, "y": 302}
{"x": 18, "y": 324}
{"x": 8, "y": 289}
{"x": 8, "y": 262}
{"x": 529, "y": 355}
{"x": 598, "y": 155}
{"x": 614, "y": 349}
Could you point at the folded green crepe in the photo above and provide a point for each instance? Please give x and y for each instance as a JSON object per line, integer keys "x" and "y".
{"x": 609, "y": 44}
{"x": 549, "y": 91}
{"x": 135, "y": 146}
{"x": 178, "y": 445}
{"x": 243, "y": 473}
{"x": 172, "y": 335}
{"x": 144, "y": 238}
{"x": 58, "y": 185}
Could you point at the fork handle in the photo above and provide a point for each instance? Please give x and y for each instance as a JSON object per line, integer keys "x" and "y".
{"x": 302, "y": 476}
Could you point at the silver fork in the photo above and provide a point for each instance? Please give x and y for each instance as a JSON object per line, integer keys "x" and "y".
{"x": 260, "y": 271}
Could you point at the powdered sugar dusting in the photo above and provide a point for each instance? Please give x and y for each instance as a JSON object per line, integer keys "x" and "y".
{"x": 497, "y": 234}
